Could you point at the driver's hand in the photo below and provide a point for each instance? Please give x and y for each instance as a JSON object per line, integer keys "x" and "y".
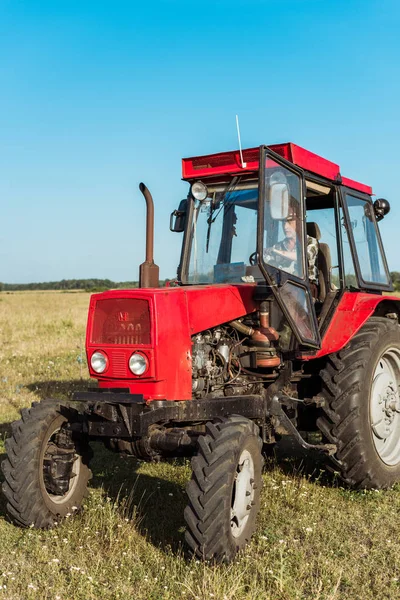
{"x": 289, "y": 254}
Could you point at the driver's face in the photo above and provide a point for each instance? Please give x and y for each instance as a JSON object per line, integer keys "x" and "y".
{"x": 289, "y": 226}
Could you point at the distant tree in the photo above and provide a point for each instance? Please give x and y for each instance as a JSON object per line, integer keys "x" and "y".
{"x": 395, "y": 276}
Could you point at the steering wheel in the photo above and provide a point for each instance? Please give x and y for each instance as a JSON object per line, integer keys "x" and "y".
{"x": 253, "y": 259}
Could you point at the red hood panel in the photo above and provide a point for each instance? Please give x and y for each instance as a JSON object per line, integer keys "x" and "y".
{"x": 175, "y": 315}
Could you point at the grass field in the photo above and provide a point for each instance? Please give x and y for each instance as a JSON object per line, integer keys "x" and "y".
{"x": 314, "y": 540}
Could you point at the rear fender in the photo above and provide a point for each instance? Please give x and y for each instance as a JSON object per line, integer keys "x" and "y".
{"x": 353, "y": 310}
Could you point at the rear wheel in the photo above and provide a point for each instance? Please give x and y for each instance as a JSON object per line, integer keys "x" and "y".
{"x": 362, "y": 414}
{"x": 224, "y": 492}
{"x": 46, "y": 470}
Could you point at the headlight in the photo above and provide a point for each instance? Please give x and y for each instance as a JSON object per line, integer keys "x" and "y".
{"x": 98, "y": 362}
{"x": 199, "y": 191}
{"x": 138, "y": 364}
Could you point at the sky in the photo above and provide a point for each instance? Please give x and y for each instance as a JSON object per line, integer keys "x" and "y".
{"x": 96, "y": 97}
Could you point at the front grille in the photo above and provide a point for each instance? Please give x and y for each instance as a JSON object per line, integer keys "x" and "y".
{"x": 119, "y": 364}
{"x": 121, "y": 321}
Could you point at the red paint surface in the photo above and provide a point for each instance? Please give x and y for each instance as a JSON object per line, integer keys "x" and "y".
{"x": 229, "y": 163}
{"x": 176, "y": 314}
{"x": 360, "y": 187}
{"x": 353, "y": 311}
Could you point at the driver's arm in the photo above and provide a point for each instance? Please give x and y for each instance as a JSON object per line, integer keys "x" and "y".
{"x": 289, "y": 254}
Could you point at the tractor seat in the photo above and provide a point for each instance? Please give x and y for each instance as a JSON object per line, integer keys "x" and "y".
{"x": 324, "y": 262}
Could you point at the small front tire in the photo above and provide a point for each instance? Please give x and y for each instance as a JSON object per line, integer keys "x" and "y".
{"x": 46, "y": 470}
{"x": 224, "y": 492}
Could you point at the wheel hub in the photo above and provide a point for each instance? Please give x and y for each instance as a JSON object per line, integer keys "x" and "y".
{"x": 59, "y": 464}
{"x": 388, "y": 402}
{"x": 385, "y": 407}
{"x": 243, "y": 493}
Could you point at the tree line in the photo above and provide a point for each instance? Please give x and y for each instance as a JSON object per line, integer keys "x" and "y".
{"x": 74, "y": 284}
{"x": 92, "y": 285}
{"x": 395, "y": 275}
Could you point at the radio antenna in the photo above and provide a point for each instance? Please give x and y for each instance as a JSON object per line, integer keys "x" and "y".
{"x": 244, "y": 165}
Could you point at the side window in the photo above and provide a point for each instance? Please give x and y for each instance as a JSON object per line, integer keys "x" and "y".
{"x": 365, "y": 236}
{"x": 350, "y": 277}
{"x": 321, "y": 224}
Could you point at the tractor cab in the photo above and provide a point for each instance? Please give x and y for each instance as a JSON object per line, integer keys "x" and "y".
{"x": 286, "y": 220}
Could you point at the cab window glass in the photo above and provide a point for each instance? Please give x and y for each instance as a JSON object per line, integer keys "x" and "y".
{"x": 364, "y": 232}
{"x": 298, "y": 304}
{"x": 349, "y": 271}
{"x": 224, "y": 234}
{"x": 321, "y": 223}
{"x": 283, "y": 233}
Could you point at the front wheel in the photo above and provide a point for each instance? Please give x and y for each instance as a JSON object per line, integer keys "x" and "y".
{"x": 224, "y": 492}
{"x": 46, "y": 470}
{"x": 362, "y": 414}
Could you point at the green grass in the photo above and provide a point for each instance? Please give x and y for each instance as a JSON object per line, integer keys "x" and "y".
{"x": 314, "y": 540}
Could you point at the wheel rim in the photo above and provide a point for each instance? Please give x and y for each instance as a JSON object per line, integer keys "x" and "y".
{"x": 385, "y": 407}
{"x": 74, "y": 477}
{"x": 242, "y": 493}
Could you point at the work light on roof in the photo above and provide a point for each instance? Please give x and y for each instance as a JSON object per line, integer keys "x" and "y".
{"x": 199, "y": 191}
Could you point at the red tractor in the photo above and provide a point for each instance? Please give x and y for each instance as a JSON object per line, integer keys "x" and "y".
{"x": 278, "y": 325}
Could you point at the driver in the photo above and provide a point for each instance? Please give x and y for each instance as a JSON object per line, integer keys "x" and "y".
{"x": 283, "y": 254}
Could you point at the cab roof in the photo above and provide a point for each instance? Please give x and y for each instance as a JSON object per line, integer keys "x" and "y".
{"x": 229, "y": 163}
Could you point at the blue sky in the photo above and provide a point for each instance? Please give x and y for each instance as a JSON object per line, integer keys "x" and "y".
{"x": 98, "y": 96}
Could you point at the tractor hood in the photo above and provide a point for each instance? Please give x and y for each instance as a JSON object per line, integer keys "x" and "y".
{"x": 158, "y": 323}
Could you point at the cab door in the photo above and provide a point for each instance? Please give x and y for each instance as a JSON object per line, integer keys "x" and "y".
{"x": 282, "y": 243}
{"x": 364, "y": 258}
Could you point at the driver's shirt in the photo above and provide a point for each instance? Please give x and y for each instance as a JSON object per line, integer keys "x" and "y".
{"x": 289, "y": 265}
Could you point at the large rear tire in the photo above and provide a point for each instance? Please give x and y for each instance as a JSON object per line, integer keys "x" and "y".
{"x": 46, "y": 470}
{"x": 362, "y": 412}
{"x": 224, "y": 492}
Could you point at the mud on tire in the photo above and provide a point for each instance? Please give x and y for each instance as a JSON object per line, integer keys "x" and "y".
{"x": 224, "y": 492}
{"x": 354, "y": 397}
{"x": 29, "y": 462}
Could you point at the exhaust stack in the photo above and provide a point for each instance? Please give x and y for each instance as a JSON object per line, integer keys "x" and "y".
{"x": 148, "y": 271}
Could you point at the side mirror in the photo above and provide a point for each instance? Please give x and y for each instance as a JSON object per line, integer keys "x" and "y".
{"x": 278, "y": 198}
{"x": 180, "y": 217}
{"x": 381, "y": 208}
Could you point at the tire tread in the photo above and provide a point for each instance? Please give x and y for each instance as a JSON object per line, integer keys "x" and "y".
{"x": 340, "y": 418}
{"x": 207, "y": 532}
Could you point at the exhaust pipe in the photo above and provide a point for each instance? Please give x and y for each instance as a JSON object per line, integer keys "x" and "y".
{"x": 148, "y": 271}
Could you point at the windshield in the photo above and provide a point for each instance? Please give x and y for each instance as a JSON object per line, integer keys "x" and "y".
{"x": 224, "y": 234}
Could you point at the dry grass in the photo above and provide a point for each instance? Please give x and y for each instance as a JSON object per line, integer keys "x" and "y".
{"x": 315, "y": 540}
